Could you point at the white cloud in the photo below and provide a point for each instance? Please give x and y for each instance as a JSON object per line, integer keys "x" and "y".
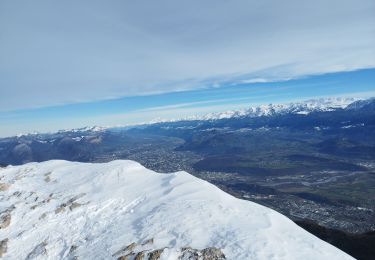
{"x": 75, "y": 51}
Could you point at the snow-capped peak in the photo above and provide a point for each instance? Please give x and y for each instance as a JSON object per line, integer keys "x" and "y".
{"x": 304, "y": 108}
{"x": 85, "y": 129}
{"x": 70, "y": 210}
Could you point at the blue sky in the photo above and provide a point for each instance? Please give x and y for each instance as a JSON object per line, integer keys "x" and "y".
{"x": 66, "y": 64}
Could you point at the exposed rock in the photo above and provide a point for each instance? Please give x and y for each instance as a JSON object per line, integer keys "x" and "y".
{"x": 188, "y": 253}
{"x": 126, "y": 257}
{"x": 155, "y": 255}
{"x": 5, "y": 218}
{"x": 142, "y": 251}
{"x": 4, "y": 186}
{"x": 136, "y": 251}
{"x": 139, "y": 251}
{"x": 128, "y": 248}
{"x": 139, "y": 255}
{"x": 212, "y": 253}
{"x": 3, "y": 247}
{"x": 70, "y": 203}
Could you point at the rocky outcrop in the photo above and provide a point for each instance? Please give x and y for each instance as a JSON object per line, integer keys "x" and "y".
{"x": 142, "y": 251}
{"x": 155, "y": 255}
{"x": 4, "y": 186}
{"x": 71, "y": 204}
{"x": 3, "y": 246}
{"x": 210, "y": 253}
{"x": 5, "y": 217}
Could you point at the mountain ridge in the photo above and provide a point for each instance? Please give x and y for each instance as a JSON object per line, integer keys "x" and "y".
{"x": 59, "y": 209}
{"x": 300, "y": 107}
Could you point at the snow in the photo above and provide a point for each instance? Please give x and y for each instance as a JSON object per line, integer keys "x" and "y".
{"x": 100, "y": 208}
{"x": 301, "y": 108}
{"x": 85, "y": 129}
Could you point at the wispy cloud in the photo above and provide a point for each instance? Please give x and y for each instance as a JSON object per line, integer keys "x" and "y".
{"x": 133, "y": 110}
{"x": 205, "y": 103}
{"x": 117, "y": 48}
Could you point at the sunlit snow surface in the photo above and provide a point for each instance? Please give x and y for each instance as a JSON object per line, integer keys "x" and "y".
{"x": 100, "y": 208}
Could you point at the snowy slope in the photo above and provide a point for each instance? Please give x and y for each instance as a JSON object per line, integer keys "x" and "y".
{"x": 60, "y": 209}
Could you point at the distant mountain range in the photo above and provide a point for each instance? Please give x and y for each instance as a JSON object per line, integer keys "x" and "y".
{"x": 301, "y": 159}
{"x": 301, "y": 108}
{"x": 78, "y": 144}
{"x": 305, "y": 107}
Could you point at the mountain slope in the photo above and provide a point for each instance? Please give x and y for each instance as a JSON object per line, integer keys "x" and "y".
{"x": 60, "y": 209}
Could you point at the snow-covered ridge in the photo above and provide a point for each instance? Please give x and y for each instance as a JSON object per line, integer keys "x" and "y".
{"x": 303, "y": 108}
{"x": 73, "y": 130}
{"x": 63, "y": 210}
{"x": 85, "y": 129}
